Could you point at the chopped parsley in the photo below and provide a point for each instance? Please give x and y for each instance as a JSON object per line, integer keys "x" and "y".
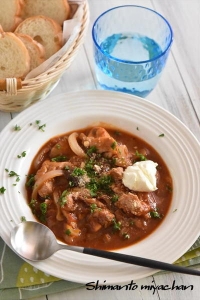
{"x": 116, "y": 225}
{"x": 140, "y": 156}
{"x": 93, "y": 187}
{"x": 40, "y": 127}
{"x": 94, "y": 207}
{"x": 115, "y": 198}
{"x": 12, "y": 174}
{"x": 59, "y": 158}
{"x": 100, "y": 184}
{"x": 161, "y": 135}
{"x": 31, "y": 180}
{"x": 91, "y": 150}
{"x": 67, "y": 168}
{"x": 114, "y": 145}
{"x": 32, "y": 205}
{"x": 43, "y": 208}
{"x": 89, "y": 167}
{"x": 23, "y": 219}
{"x": 68, "y": 232}
{"x": 155, "y": 214}
{"x": 17, "y": 128}
{"x": 2, "y": 190}
{"x": 23, "y": 154}
{"x": 63, "y": 198}
{"x": 78, "y": 172}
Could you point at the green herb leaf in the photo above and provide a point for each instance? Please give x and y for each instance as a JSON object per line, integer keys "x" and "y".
{"x": 140, "y": 156}
{"x": 155, "y": 214}
{"x": 94, "y": 207}
{"x": 12, "y": 174}
{"x": 23, "y": 219}
{"x": 40, "y": 127}
{"x": 91, "y": 150}
{"x": 43, "y": 208}
{"x": 32, "y": 205}
{"x": 23, "y": 154}
{"x": 68, "y": 232}
{"x": 114, "y": 145}
{"x": 117, "y": 225}
{"x": 63, "y": 198}
{"x": 2, "y": 190}
{"x": 17, "y": 128}
{"x": 31, "y": 180}
{"x": 78, "y": 172}
{"x": 59, "y": 158}
{"x": 115, "y": 198}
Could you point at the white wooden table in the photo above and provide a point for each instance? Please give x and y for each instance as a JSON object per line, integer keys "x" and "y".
{"x": 178, "y": 91}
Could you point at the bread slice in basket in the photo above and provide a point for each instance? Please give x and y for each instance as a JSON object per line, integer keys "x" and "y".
{"x": 35, "y": 49}
{"x": 44, "y": 30}
{"x": 10, "y": 11}
{"x": 58, "y": 10}
{"x": 14, "y": 58}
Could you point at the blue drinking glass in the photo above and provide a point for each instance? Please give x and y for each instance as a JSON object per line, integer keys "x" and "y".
{"x": 131, "y": 47}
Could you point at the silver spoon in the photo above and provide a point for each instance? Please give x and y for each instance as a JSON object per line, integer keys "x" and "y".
{"x": 34, "y": 241}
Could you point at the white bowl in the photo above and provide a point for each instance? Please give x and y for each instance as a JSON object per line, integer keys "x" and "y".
{"x": 67, "y": 112}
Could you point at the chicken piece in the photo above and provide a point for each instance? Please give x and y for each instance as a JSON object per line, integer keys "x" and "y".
{"x": 100, "y": 218}
{"x": 99, "y": 138}
{"x": 131, "y": 204}
{"x": 149, "y": 198}
{"x": 119, "y": 188}
{"x": 122, "y": 158}
{"x": 82, "y": 193}
{"x": 46, "y": 189}
{"x": 61, "y": 148}
{"x": 92, "y": 201}
{"x": 116, "y": 173}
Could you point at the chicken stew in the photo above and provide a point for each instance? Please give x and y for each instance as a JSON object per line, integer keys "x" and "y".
{"x": 75, "y": 187}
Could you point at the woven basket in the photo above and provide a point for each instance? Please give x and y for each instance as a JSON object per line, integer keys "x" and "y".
{"x": 16, "y": 95}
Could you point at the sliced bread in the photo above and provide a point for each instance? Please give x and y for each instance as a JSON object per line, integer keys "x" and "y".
{"x": 43, "y": 30}
{"x": 58, "y": 10}
{"x": 35, "y": 49}
{"x": 14, "y": 58}
{"x": 10, "y": 14}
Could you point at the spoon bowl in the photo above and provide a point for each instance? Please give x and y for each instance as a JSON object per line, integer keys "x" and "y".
{"x": 35, "y": 241}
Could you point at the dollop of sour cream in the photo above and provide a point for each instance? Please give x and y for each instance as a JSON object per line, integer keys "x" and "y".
{"x": 141, "y": 176}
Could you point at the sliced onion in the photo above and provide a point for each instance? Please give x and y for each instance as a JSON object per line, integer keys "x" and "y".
{"x": 59, "y": 215}
{"x": 41, "y": 180}
{"x": 75, "y": 146}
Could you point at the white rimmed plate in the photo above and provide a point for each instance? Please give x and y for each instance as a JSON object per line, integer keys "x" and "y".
{"x": 66, "y": 112}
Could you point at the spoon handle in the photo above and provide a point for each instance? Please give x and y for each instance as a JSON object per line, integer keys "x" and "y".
{"x": 139, "y": 261}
